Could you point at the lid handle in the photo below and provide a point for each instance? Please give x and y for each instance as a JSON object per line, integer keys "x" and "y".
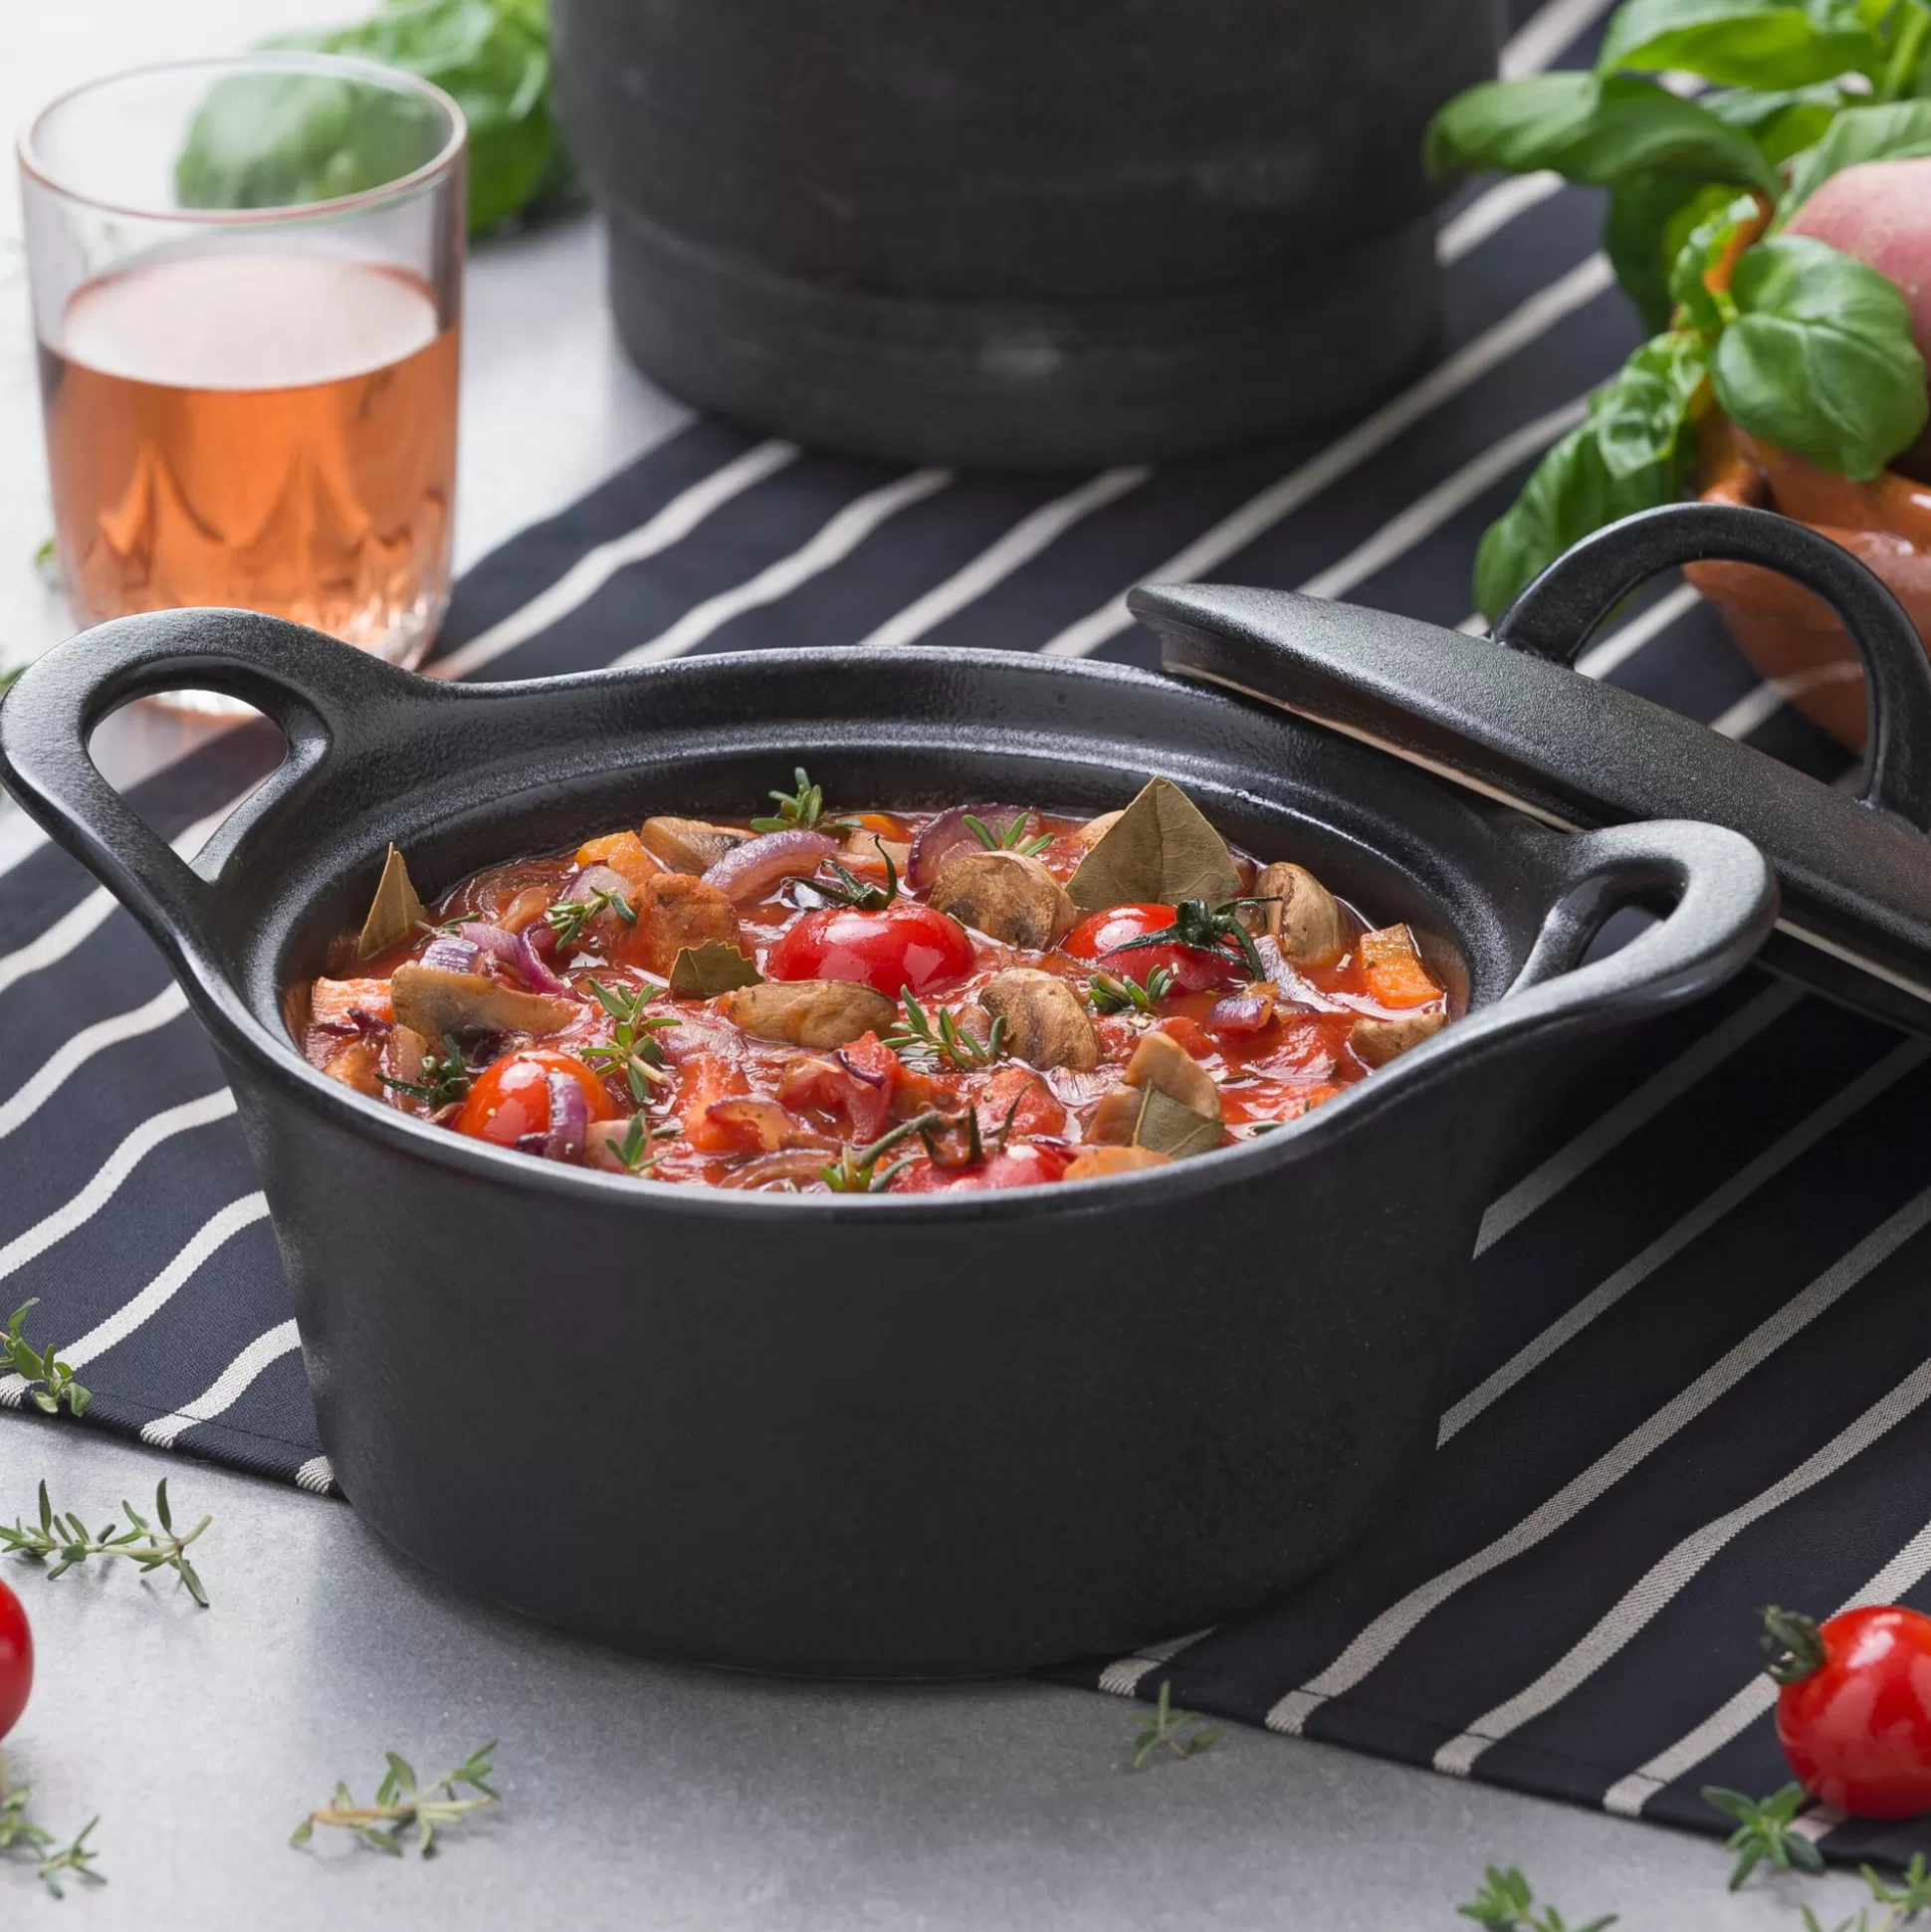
{"x": 1555, "y": 615}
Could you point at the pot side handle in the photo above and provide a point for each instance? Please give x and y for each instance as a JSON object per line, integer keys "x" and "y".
{"x": 1555, "y": 615}
{"x": 309, "y": 685}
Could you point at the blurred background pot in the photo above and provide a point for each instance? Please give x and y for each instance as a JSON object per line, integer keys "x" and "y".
{"x": 1787, "y": 633}
{"x": 1018, "y": 232}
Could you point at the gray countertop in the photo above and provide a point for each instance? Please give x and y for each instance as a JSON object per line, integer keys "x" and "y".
{"x": 636, "y": 1795}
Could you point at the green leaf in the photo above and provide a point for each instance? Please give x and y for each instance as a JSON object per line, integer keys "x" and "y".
{"x": 1819, "y": 360}
{"x": 1648, "y": 220}
{"x": 302, "y": 1833}
{"x": 1639, "y": 416}
{"x": 710, "y": 969}
{"x": 1697, "y": 307}
{"x": 1592, "y": 130}
{"x": 1170, "y": 1127}
{"x": 1159, "y": 850}
{"x": 280, "y": 140}
{"x": 1898, "y": 131}
{"x": 1740, "y": 43}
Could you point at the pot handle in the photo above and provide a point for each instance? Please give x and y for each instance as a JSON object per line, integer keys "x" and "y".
{"x": 1555, "y": 615}
{"x": 306, "y": 682}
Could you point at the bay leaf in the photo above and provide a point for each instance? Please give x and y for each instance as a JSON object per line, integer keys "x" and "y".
{"x": 1170, "y": 1127}
{"x": 710, "y": 969}
{"x": 1161, "y": 849}
{"x": 394, "y": 912}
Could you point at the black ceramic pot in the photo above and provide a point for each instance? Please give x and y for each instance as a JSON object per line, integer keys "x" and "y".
{"x": 891, "y": 1436}
{"x": 1018, "y": 232}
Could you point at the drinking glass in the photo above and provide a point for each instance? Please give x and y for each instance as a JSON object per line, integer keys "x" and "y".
{"x": 246, "y": 279}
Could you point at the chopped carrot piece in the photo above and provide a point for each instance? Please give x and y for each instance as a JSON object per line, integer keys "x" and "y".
{"x": 340, "y": 1002}
{"x": 622, "y": 852}
{"x": 1394, "y": 970}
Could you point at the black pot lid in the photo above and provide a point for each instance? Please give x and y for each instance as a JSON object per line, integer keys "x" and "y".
{"x": 1506, "y": 717}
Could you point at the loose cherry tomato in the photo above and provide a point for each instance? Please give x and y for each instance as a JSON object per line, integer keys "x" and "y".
{"x": 1195, "y": 969}
{"x": 901, "y": 945}
{"x": 16, "y": 1660}
{"x": 1854, "y": 1713}
{"x": 512, "y": 1098}
{"x": 1024, "y": 1166}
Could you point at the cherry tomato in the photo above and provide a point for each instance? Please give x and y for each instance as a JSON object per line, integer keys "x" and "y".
{"x": 903, "y": 944}
{"x": 512, "y": 1098}
{"x": 1024, "y": 1166}
{"x": 1194, "y": 968}
{"x": 16, "y": 1660}
{"x": 1856, "y": 1726}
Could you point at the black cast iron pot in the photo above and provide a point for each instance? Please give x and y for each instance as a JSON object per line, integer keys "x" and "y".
{"x": 1027, "y": 232}
{"x": 954, "y": 1435}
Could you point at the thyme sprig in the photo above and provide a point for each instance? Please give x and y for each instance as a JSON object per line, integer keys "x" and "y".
{"x": 1764, "y": 1830}
{"x": 846, "y": 888}
{"x": 568, "y": 917}
{"x": 1009, "y": 837}
{"x": 404, "y": 1810}
{"x": 441, "y": 1081}
{"x": 1904, "y": 1905}
{"x": 856, "y": 1171}
{"x": 1506, "y": 1903}
{"x": 925, "y": 1041}
{"x": 62, "y": 1540}
{"x": 21, "y": 1832}
{"x": 633, "y": 1048}
{"x": 801, "y": 810}
{"x": 1205, "y": 927}
{"x": 1180, "y": 1732}
{"x": 1119, "y": 992}
{"x": 636, "y": 1150}
{"x": 42, "y": 1366}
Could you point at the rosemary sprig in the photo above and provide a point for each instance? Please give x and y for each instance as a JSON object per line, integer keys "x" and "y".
{"x": 1904, "y": 1905}
{"x": 801, "y": 810}
{"x": 1198, "y": 924}
{"x": 856, "y": 1171}
{"x": 1764, "y": 1830}
{"x": 19, "y": 1833}
{"x": 1506, "y": 1903}
{"x": 42, "y": 1366}
{"x": 849, "y": 889}
{"x": 568, "y": 917}
{"x": 633, "y": 1048}
{"x": 441, "y": 1080}
{"x": 64, "y": 1539}
{"x": 1167, "y": 1729}
{"x": 1119, "y": 992}
{"x": 922, "y": 1042}
{"x": 635, "y": 1150}
{"x": 401, "y": 1809}
{"x": 1009, "y": 837}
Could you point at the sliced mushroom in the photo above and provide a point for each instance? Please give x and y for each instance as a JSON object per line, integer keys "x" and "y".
{"x": 675, "y": 911}
{"x": 1098, "y": 1162}
{"x": 1378, "y": 1041}
{"x": 432, "y": 1001}
{"x": 1095, "y": 829}
{"x": 688, "y": 844}
{"x": 1161, "y": 1061}
{"x": 1005, "y": 894}
{"x": 810, "y": 1012}
{"x": 1303, "y": 917}
{"x": 1045, "y": 1025}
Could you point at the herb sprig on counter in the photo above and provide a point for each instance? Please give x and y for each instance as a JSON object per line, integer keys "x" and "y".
{"x": 1764, "y": 1830}
{"x": 62, "y": 1540}
{"x": 42, "y": 1366}
{"x": 801, "y": 810}
{"x": 20, "y": 1832}
{"x": 1121, "y": 994}
{"x": 1180, "y": 1732}
{"x": 633, "y": 1048}
{"x": 1507, "y": 1903}
{"x": 403, "y": 1812}
{"x": 923, "y": 1041}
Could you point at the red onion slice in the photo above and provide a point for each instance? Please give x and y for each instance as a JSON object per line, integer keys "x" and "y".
{"x": 1243, "y": 1012}
{"x": 754, "y": 869}
{"x": 569, "y": 1119}
{"x": 448, "y": 954}
{"x": 514, "y": 952}
{"x": 599, "y": 878}
{"x": 938, "y": 838}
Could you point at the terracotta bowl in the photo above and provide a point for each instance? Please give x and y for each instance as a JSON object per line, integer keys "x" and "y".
{"x": 1787, "y": 633}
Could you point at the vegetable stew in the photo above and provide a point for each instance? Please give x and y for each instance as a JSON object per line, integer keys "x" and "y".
{"x": 871, "y": 1002}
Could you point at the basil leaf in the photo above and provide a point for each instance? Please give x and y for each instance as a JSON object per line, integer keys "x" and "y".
{"x": 702, "y": 973}
{"x": 1897, "y": 132}
{"x": 1741, "y": 43}
{"x": 1630, "y": 455}
{"x": 1705, "y": 247}
{"x": 1820, "y": 359}
{"x": 1592, "y": 130}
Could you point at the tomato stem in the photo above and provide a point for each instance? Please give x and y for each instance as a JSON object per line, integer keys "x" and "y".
{"x": 1792, "y": 1645}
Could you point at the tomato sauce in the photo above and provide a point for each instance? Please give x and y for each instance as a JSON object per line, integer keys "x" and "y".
{"x": 564, "y": 1039}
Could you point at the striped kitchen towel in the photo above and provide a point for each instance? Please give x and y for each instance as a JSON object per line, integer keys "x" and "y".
{"x": 1697, "y": 1371}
